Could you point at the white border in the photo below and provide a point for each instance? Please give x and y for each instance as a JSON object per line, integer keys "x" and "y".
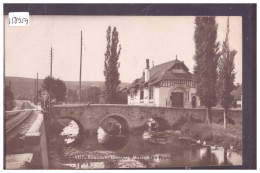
{"x": 118, "y": 1}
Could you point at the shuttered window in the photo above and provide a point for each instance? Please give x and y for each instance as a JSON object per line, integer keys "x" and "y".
{"x": 151, "y": 92}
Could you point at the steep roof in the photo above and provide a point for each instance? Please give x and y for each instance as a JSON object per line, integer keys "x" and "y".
{"x": 158, "y": 72}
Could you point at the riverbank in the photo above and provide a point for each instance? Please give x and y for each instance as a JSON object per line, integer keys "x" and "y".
{"x": 214, "y": 134}
{"x": 191, "y": 143}
{"x": 168, "y": 148}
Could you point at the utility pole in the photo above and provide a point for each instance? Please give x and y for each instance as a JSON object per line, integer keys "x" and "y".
{"x": 51, "y": 64}
{"x": 50, "y": 80}
{"x": 80, "y": 66}
{"x": 34, "y": 93}
{"x": 37, "y": 90}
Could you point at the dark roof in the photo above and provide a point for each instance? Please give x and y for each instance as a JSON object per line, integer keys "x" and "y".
{"x": 159, "y": 72}
{"x": 170, "y": 75}
{"x": 237, "y": 93}
{"x": 136, "y": 82}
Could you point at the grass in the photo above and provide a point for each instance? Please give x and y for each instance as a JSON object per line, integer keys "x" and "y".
{"x": 215, "y": 134}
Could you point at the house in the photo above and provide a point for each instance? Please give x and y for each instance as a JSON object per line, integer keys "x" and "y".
{"x": 237, "y": 93}
{"x": 168, "y": 84}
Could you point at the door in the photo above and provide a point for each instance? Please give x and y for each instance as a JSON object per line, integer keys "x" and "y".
{"x": 177, "y": 99}
{"x": 194, "y": 102}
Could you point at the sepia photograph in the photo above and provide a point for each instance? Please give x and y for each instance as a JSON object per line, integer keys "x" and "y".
{"x": 122, "y": 91}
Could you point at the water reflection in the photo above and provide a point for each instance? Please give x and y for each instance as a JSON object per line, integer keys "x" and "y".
{"x": 149, "y": 149}
{"x": 111, "y": 142}
{"x": 208, "y": 158}
{"x": 219, "y": 156}
{"x": 70, "y": 133}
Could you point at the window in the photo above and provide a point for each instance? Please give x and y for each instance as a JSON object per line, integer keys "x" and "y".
{"x": 132, "y": 94}
{"x": 151, "y": 92}
{"x": 141, "y": 93}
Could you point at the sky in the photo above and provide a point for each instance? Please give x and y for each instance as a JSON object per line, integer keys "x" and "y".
{"x": 157, "y": 38}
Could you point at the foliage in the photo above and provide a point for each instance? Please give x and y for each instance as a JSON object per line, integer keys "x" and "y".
{"x": 91, "y": 95}
{"x": 56, "y": 88}
{"x": 60, "y": 90}
{"x": 121, "y": 97}
{"x": 23, "y": 87}
{"x": 206, "y": 61}
{"x": 48, "y": 85}
{"x": 9, "y": 99}
{"x": 226, "y": 76}
{"x": 111, "y": 65}
{"x": 72, "y": 96}
{"x": 237, "y": 85}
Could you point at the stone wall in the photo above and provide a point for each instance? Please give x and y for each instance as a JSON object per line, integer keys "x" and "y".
{"x": 234, "y": 116}
{"x": 36, "y": 143}
{"x": 91, "y": 116}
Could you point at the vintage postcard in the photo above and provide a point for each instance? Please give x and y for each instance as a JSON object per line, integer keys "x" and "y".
{"x": 122, "y": 91}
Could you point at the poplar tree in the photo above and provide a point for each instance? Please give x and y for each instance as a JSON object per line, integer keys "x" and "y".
{"x": 206, "y": 61}
{"x": 111, "y": 65}
{"x": 226, "y": 76}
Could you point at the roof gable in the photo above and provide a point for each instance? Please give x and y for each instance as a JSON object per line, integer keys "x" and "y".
{"x": 159, "y": 72}
{"x": 180, "y": 66}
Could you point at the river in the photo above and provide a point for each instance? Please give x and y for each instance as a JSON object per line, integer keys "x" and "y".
{"x": 165, "y": 149}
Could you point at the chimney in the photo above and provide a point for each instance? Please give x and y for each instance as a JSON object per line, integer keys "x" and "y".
{"x": 147, "y": 64}
{"x": 146, "y": 71}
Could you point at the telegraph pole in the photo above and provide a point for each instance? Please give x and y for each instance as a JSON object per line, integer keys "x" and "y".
{"x": 37, "y": 90}
{"x": 34, "y": 93}
{"x": 50, "y": 79}
{"x": 51, "y": 64}
{"x": 80, "y": 66}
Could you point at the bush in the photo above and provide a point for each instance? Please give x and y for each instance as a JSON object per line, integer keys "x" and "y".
{"x": 9, "y": 99}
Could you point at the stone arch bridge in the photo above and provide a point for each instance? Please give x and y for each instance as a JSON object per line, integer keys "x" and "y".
{"x": 90, "y": 117}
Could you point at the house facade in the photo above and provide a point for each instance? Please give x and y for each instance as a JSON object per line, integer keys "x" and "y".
{"x": 168, "y": 84}
{"x": 237, "y": 93}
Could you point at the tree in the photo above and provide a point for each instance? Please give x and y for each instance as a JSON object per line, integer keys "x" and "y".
{"x": 56, "y": 88}
{"x": 121, "y": 97}
{"x": 48, "y": 85}
{"x": 9, "y": 98}
{"x": 111, "y": 65}
{"x": 206, "y": 61}
{"x": 60, "y": 90}
{"x": 91, "y": 95}
{"x": 72, "y": 96}
{"x": 226, "y": 76}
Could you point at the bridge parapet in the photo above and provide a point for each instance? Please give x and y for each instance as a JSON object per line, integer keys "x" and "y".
{"x": 91, "y": 116}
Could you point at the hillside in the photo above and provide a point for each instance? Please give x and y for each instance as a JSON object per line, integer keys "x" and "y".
{"x": 23, "y": 88}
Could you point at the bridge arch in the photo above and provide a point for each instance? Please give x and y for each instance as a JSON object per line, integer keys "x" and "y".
{"x": 163, "y": 124}
{"x": 124, "y": 122}
{"x": 81, "y": 128}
